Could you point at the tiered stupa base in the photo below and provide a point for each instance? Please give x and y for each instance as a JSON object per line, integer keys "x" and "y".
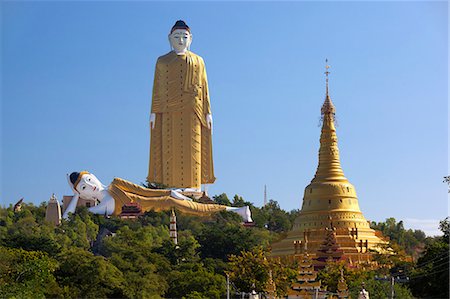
{"x": 355, "y": 240}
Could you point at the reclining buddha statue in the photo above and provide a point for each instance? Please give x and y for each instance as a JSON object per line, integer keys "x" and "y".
{"x": 120, "y": 192}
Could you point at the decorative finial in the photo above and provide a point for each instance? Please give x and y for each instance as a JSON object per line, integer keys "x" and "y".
{"x": 53, "y": 198}
{"x": 327, "y": 72}
{"x": 327, "y": 107}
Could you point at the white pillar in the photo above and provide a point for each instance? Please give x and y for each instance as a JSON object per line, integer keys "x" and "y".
{"x": 173, "y": 228}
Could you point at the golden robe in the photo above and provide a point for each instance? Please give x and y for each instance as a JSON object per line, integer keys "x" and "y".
{"x": 180, "y": 143}
{"x": 125, "y": 192}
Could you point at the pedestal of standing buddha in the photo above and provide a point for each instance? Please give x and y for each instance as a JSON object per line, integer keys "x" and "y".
{"x": 330, "y": 202}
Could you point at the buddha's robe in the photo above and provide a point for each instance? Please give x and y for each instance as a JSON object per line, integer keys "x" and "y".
{"x": 180, "y": 143}
{"x": 125, "y": 192}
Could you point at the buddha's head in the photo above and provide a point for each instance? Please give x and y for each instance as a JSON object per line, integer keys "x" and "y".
{"x": 86, "y": 184}
{"x": 180, "y": 37}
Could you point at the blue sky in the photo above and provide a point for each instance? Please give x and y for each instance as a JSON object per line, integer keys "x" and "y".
{"x": 77, "y": 80}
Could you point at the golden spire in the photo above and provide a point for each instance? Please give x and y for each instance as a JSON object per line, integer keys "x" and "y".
{"x": 329, "y": 168}
{"x": 327, "y": 72}
{"x": 327, "y": 106}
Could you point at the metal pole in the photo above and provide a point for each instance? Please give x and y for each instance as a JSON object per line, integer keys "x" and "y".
{"x": 228, "y": 286}
{"x": 392, "y": 287}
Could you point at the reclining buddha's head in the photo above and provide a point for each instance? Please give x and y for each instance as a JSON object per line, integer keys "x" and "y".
{"x": 86, "y": 184}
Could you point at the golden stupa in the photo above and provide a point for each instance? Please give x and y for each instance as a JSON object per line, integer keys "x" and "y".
{"x": 330, "y": 203}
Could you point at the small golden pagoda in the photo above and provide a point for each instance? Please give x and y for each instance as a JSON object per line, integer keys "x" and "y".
{"x": 271, "y": 287}
{"x": 330, "y": 197}
{"x": 306, "y": 286}
{"x": 342, "y": 288}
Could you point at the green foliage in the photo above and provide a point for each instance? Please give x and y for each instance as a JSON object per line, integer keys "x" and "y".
{"x": 155, "y": 219}
{"x": 137, "y": 261}
{"x": 143, "y": 239}
{"x": 430, "y": 277}
{"x": 131, "y": 251}
{"x": 409, "y": 240}
{"x": 185, "y": 252}
{"x": 140, "y": 261}
{"x": 274, "y": 218}
{"x": 444, "y": 226}
{"x": 220, "y": 241}
{"x": 251, "y": 271}
{"x": 28, "y": 230}
{"x": 27, "y": 274}
{"x": 87, "y": 276}
{"x": 282, "y": 274}
{"x": 238, "y": 201}
{"x": 222, "y": 199}
{"x": 355, "y": 277}
{"x": 192, "y": 280}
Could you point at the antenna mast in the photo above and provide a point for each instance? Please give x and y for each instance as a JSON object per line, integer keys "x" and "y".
{"x": 265, "y": 195}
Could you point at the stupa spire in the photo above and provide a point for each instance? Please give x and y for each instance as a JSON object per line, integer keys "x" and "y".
{"x": 327, "y": 73}
{"x": 327, "y": 107}
{"x": 329, "y": 168}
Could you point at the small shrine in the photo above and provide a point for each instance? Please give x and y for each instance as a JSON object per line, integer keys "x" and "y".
{"x": 329, "y": 250}
{"x": 342, "y": 288}
{"x": 131, "y": 210}
{"x": 53, "y": 211}
{"x": 205, "y": 199}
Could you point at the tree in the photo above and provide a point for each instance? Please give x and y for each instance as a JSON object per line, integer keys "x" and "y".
{"x": 87, "y": 276}
{"x": 238, "y": 201}
{"x": 251, "y": 271}
{"x": 222, "y": 199}
{"x": 410, "y": 241}
{"x": 192, "y": 280}
{"x": 220, "y": 241}
{"x": 27, "y": 274}
{"x": 186, "y": 250}
{"x": 272, "y": 217}
{"x": 28, "y": 230}
{"x": 355, "y": 277}
{"x": 431, "y": 275}
{"x": 278, "y": 220}
{"x": 444, "y": 226}
{"x": 132, "y": 252}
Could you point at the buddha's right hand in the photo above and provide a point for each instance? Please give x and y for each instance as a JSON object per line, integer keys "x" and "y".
{"x": 152, "y": 120}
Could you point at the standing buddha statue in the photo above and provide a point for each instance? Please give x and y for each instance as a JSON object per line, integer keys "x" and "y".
{"x": 180, "y": 119}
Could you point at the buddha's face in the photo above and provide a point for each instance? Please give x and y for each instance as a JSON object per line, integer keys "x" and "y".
{"x": 180, "y": 40}
{"x": 89, "y": 187}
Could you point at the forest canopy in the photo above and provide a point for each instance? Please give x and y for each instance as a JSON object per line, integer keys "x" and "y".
{"x": 90, "y": 256}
